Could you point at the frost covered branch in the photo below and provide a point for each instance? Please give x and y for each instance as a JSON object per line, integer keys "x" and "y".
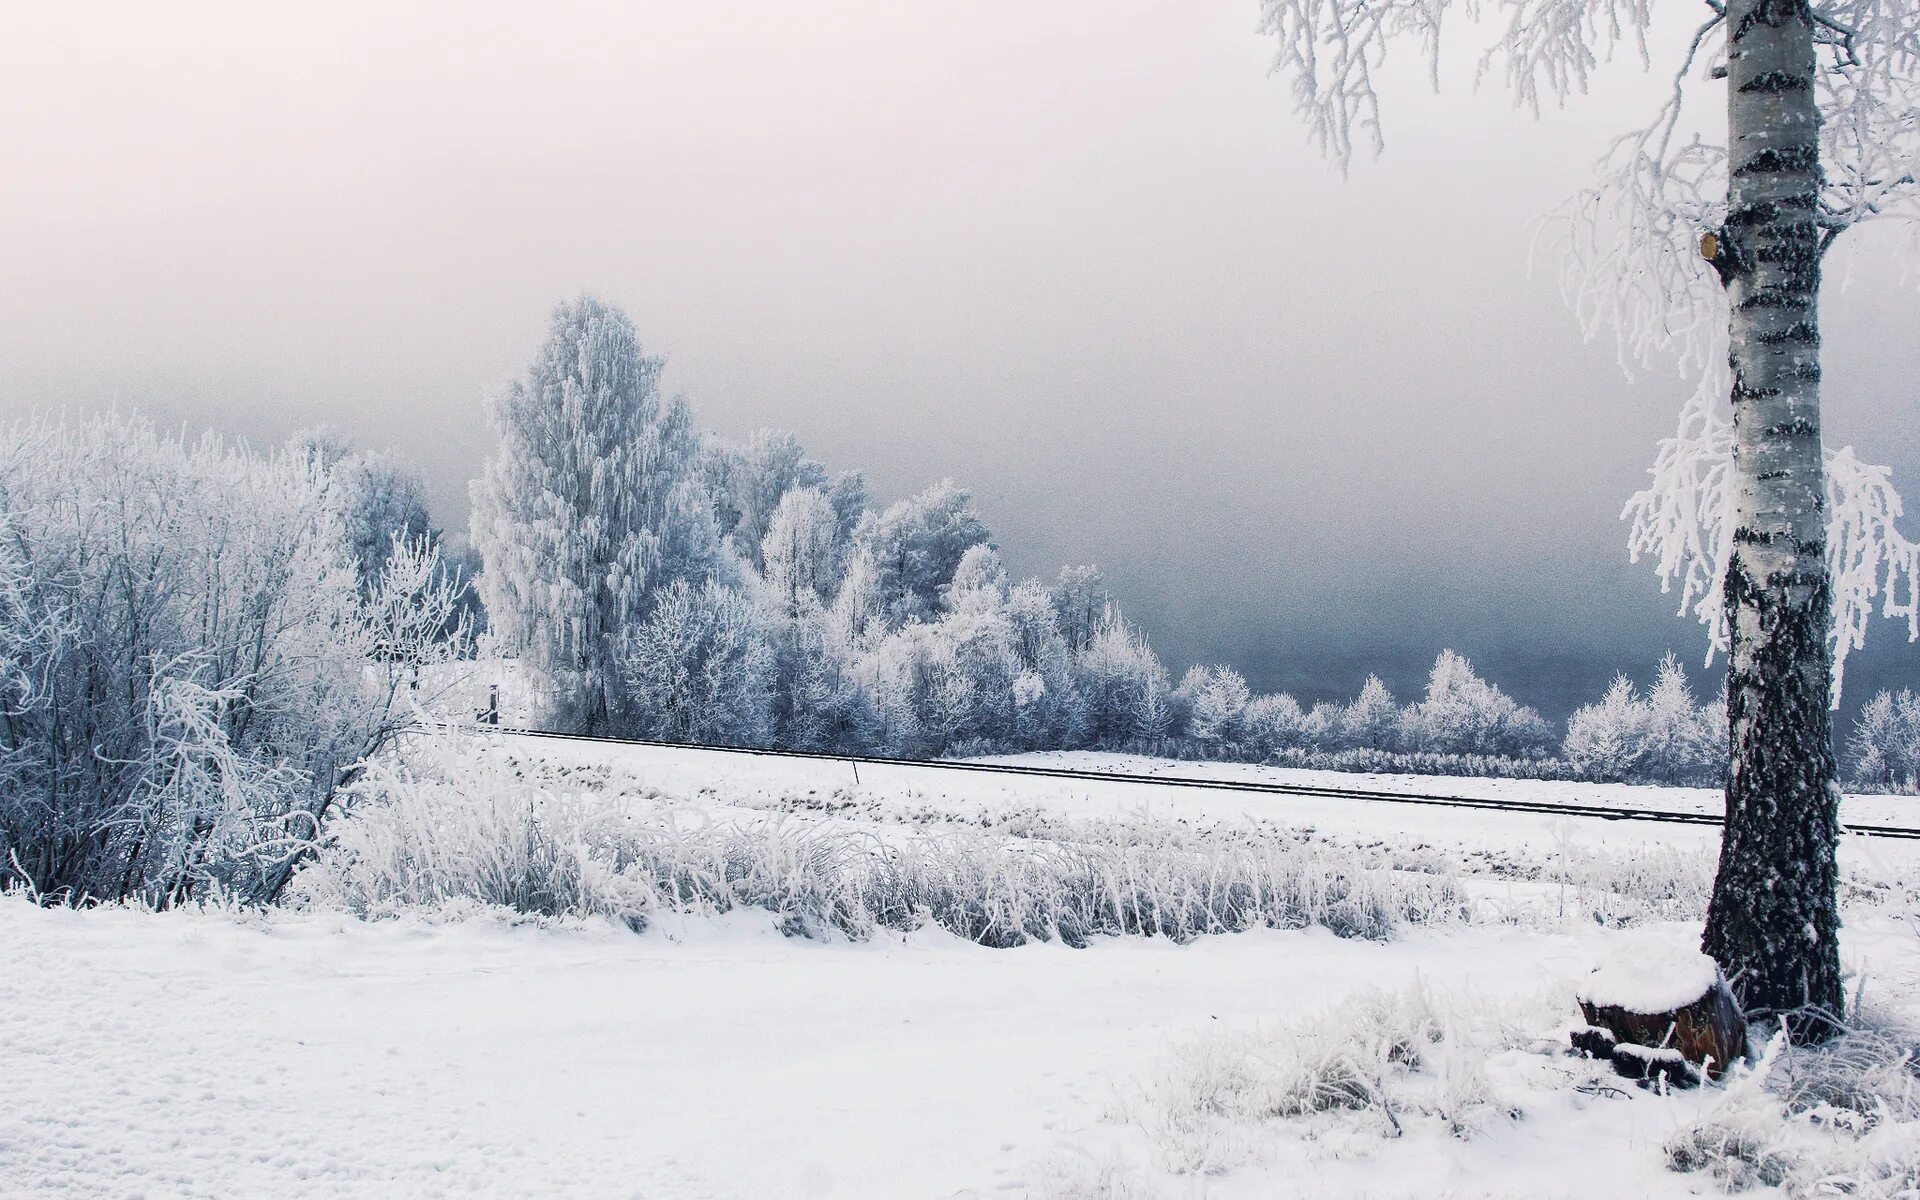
{"x": 1680, "y": 521}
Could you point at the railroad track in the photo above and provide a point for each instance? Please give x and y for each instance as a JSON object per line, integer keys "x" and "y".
{"x": 1547, "y": 807}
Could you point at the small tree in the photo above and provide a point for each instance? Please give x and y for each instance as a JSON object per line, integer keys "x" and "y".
{"x": 1129, "y": 702}
{"x": 1372, "y": 721}
{"x": 1608, "y": 740}
{"x": 1462, "y": 713}
{"x": 1886, "y": 743}
{"x": 1216, "y": 701}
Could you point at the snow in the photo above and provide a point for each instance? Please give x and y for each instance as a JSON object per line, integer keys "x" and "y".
{"x": 1649, "y": 975}
{"x": 314, "y": 1056}
{"x": 468, "y": 1051}
{"x": 902, "y": 788}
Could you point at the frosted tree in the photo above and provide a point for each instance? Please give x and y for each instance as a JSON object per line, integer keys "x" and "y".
{"x": 856, "y": 615}
{"x": 382, "y": 500}
{"x": 1706, "y": 236}
{"x": 1662, "y": 737}
{"x": 1462, "y": 713}
{"x": 1686, "y": 742}
{"x": 913, "y": 549}
{"x": 1372, "y": 720}
{"x": 1051, "y": 711}
{"x": 1216, "y": 700}
{"x": 979, "y": 582}
{"x": 698, "y": 669}
{"x": 1129, "y": 700}
{"x": 1608, "y": 740}
{"x": 593, "y": 502}
{"x": 1273, "y": 724}
{"x": 818, "y": 704}
{"x": 847, "y": 492}
{"x": 1082, "y": 599}
{"x": 800, "y": 551}
{"x": 748, "y": 482}
{"x": 1886, "y": 743}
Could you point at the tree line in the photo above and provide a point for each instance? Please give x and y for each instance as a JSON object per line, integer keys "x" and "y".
{"x": 668, "y": 584}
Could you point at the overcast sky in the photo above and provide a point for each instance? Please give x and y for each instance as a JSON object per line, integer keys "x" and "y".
{"x": 1078, "y": 255}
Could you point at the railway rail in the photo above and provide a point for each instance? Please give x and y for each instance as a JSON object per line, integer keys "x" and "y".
{"x": 1261, "y": 787}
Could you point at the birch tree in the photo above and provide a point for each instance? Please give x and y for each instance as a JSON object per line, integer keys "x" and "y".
{"x": 1704, "y": 238}
{"x": 592, "y": 504}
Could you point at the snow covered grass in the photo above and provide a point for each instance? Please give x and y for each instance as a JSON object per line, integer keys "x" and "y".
{"x": 556, "y": 829}
{"x": 1510, "y": 867}
{"x": 442, "y": 827}
{"x": 1839, "y": 1119}
{"x": 1373, "y": 1087}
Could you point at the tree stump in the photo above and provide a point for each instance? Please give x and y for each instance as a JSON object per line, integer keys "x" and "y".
{"x": 1661, "y": 1013}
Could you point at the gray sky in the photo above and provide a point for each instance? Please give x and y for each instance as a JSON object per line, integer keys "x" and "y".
{"x": 1077, "y": 254}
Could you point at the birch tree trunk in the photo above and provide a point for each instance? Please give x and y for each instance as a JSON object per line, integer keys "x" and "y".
{"x": 1774, "y": 919}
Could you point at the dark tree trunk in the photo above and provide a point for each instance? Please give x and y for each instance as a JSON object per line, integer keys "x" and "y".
{"x": 1774, "y": 921}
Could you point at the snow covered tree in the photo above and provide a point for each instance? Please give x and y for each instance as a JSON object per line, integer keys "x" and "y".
{"x": 698, "y": 669}
{"x": 1082, "y": 599}
{"x": 1216, "y": 701}
{"x": 748, "y": 482}
{"x": 382, "y": 501}
{"x": 1051, "y": 714}
{"x": 1686, "y": 743}
{"x": 913, "y": 549}
{"x": 1886, "y": 743}
{"x": 818, "y": 704}
{"x": 1608, "y": 740}
{"x": 1462, "y": 713}
{"x": 1372, "y": 721}
{"x": 847, "y": 492}
{"x": 593, "y": 502}
{"x": 1273, "y": 724}
{"x": 979, "y": 583}
{"x": 800, "y": 551}
{"x": 1129, "y": 701}
{"x": 857, "y": 613}
{"x": 1714, "y": 247}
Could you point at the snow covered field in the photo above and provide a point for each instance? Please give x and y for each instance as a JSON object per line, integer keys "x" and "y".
{"x": 458, "y": 1050}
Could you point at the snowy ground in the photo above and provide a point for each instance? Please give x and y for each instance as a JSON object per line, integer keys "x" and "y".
{"x": 907, "y": 792}
{"x": 311, "y": 1054}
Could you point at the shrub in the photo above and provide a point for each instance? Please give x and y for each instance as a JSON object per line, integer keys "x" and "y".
{"x": 192, "y": 667}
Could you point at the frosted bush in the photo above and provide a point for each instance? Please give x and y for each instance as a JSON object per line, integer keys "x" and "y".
{"x": 441, "y": 825}
{"x": 191, "y": 661}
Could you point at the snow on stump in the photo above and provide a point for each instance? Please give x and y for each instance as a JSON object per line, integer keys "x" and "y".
{"x": 1661, "y": 1012}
